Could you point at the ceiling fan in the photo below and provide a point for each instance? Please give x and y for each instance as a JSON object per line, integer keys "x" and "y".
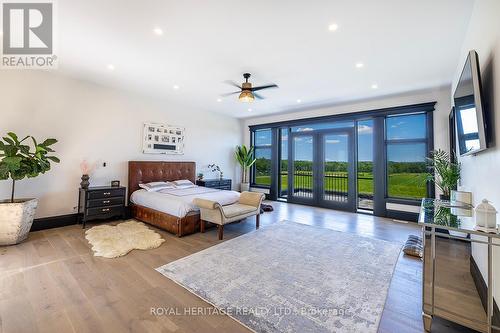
{"x": 247, "y": 92}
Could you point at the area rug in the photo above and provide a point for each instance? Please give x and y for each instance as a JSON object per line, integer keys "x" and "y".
{"x": 110, "y": 241}
{"x": 291, "y": 277}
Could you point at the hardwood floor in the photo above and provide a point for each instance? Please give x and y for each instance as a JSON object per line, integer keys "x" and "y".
{"x": 53, "y": 283}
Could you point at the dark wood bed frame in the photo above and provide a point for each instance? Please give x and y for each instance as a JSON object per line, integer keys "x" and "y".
{"x": 150, "y": 171}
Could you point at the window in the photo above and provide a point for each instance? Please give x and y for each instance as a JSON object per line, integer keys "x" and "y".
{"x": 283, "y": 183}
{"x": 407, "y": 149}
{"x": 406, "y": 127}
{"x": 468, "y": 137}
{"x": 365, "y": 164}
{"x": 262, "y": 141}
{"x": 322, "y": 125}
{"x": 303, "y": 160}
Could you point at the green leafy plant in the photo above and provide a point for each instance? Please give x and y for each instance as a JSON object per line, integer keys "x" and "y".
{"x": 18, "y": 160}
{"x": 442, "y": 171}
{"x": 245, "y": 157}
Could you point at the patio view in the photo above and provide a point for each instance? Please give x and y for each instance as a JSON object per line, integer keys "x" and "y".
{"x": 405, "y": 179}
{"x": 405, "y": 152}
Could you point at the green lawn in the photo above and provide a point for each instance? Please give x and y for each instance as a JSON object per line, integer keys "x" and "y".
{"x": 401, "y": 185}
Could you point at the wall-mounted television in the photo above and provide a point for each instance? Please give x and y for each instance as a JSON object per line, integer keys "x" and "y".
{"x": 469, "y": 111}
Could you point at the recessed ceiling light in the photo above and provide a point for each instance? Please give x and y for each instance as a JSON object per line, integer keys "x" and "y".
{"x": 110, "y": 67}
{"x": 250, "y": 110}
{"x": 333, "y": 27}
{"x": 176, "y": 87}
{"x": 299, "y": 101}
{"x": 219, "y": 99}
{"x": 360, "y": 65}
{"x": 158, "y": 31}
{"x": 374, "y": 86}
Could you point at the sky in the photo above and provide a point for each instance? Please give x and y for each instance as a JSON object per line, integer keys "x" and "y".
{"x": 401, "y": 127}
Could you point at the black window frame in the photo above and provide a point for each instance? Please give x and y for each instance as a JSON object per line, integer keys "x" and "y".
{"x": 257, "y": 147}
{"x": 380, "y": 168}
{"x": 279, "y": 144}
{"x": 356, "y": 126}
{"x": 428, "y": 140}
{"x": 452, "y": 131}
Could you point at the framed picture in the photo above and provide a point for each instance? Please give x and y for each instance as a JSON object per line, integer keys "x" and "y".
{"x": 163, "y": 139}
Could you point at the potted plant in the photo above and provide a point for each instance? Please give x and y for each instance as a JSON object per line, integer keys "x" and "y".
{"x": 245, "y": 157}
{"x": 18, "y": 161}
{"x": 443, "y": 172}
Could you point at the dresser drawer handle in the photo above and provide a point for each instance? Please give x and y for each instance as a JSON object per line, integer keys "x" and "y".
{"x": 106, "y": 201}
{"x": 105, "y": 209}
{"x": 107, "y": 193}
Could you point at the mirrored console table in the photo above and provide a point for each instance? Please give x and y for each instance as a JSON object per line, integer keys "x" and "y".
{"x": 449, "y": 285}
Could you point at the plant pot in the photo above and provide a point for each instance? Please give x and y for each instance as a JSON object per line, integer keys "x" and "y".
{"x": 244, "y": 187}
{"x": 16, "y": 219}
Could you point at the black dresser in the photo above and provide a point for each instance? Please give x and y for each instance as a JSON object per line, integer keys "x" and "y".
{"x": 102, "y": 202}
{"x": 221, "y": 184}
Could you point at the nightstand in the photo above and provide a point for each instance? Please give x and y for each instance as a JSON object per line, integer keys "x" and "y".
{"x": 101, "y": 202}
{"x": 221, "y": 184}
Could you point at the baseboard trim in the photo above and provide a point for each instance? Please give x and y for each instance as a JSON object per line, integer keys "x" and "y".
{"x": 482, "y": 290}
{"x": 63, "y": 220}
{"x": 54, "y": 222}
{"x": 400, "y": 215}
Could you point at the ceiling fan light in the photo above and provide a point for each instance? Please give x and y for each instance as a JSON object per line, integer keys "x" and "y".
{"x": 246, "y": 96}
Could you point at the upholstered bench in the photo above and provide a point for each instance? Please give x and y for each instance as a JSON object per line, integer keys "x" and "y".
{"x": 211, "y": 211}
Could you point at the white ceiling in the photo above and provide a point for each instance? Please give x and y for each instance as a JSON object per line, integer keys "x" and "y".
{"x": 404, "y": 45}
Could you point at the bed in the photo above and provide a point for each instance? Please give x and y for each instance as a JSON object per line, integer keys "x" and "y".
{"x": 170, "y": 209}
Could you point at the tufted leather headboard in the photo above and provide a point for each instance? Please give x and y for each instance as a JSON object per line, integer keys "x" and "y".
{"x": 150, "y": 171}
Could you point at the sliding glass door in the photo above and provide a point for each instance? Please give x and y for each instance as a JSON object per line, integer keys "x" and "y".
{"x": 321, "y": 171}
{"x": 367, "y": 161}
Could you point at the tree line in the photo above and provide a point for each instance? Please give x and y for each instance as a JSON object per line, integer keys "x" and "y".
{"x": 263, "y": 166}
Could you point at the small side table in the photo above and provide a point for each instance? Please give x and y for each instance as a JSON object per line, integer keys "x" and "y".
{"x": 435, "y": 217}
{"x": 101, "y": 202}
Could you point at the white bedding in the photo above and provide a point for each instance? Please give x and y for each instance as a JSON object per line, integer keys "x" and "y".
{"x": 179, "y": 202}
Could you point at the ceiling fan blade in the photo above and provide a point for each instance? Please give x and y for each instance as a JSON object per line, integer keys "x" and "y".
{"x": 234, "y": 84}
{"x": 265, "y": 87}
{"x": 258, "y": 96}
{"x": 229, "y": 94}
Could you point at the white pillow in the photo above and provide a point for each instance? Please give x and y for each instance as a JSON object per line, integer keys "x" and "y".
{"x": 183, "y": 182}
{"x": 155, "y": 186}
{"x": 185, "y": 186}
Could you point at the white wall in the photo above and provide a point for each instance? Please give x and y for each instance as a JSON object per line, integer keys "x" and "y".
{"x": 481, "y": 173}
{"x": 442, "y": 110}
{"x": 100, "y": 124}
